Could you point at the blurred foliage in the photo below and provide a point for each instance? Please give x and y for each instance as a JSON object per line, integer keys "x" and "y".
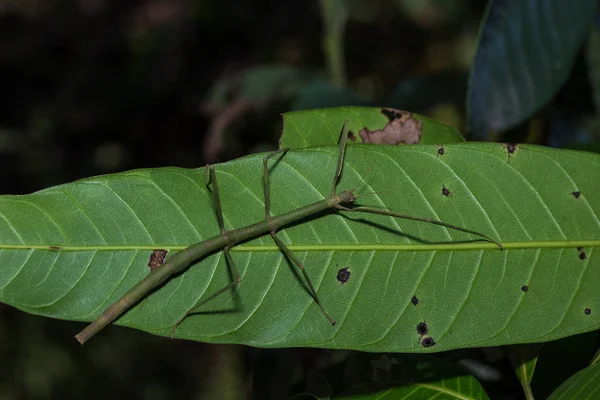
{"x": 97, "y": 86}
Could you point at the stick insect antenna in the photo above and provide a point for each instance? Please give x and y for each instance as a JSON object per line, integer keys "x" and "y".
{"x": 340, "y": 161}
{"x": 422, "y": 219}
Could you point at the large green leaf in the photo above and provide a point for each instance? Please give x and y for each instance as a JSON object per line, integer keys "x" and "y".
{"x": 525, "y": 53}
{"x": 543, "y": 204}
{"x": 322, "y": 127}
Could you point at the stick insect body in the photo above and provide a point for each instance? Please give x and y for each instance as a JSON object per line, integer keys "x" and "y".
{"x": 227, "y": 239}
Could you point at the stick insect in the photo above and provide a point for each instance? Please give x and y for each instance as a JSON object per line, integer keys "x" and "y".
{"x": 343, "y": 201}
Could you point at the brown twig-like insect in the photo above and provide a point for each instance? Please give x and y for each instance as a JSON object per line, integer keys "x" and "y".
{"x": 180, "y": 261}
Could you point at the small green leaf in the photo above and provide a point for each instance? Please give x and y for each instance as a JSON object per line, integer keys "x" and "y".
{"x": 322, "y": 127}
{"x": 584, "y": 385}
{"x": 397, "y": 376}
{"x": 524, "y": 358}
{"x": 525, "y": 53}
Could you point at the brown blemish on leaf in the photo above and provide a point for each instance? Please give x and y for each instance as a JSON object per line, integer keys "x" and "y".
{"x": 402, "y": 127}
{"x": 55, "y": 248}
{"x": 441, "y": 150}
{"x": 414, "y": 300}
{"x": 587, "y": 311}
{"x": 351, "y": 136}
{"x": 445, "y": 191}
{"x": 576, "y": 194}
{"x": 524, "y": 288}
{"x": 156, "y": 259}
{"x": 427, "y": 341}
{"x": 582, "y": 255}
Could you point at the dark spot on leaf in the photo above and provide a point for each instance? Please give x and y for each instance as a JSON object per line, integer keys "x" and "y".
{"x": 352, "y": 136}
{"x": 445, "y": 191}
{"x": 55, "y": 248}
{"x": 441, "y": 151}
{"x": 427, "y": 342}
{"x": 402, "y": 127}
{"x": 414, "y": 300}
{"x": 422, "y": 328}
{"x": 343, "y": 275}
{"x": 511, "y": 147}
{"x": 587, "y": 311}
{"x": 582, "y": 255}
{"x": 156, "y": 259}
{"x": 576, "y": 194}
{"x": 524, "y": 288}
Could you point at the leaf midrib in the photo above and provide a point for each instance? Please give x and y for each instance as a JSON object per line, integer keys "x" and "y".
{"x": 520, "y": 245}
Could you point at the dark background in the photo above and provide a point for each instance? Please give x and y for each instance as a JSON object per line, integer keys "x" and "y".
{"x": 91, "y": 87}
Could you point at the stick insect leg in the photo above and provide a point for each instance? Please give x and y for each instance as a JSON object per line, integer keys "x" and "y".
{"x": 266, "y": 185}
{"x": 422, "y": 219}
{"x": 293, "y": 258}
{"x": 340, "y": 161}
{"x": 279, "y": 243}
{"x": 236, "y": 275}
{"x": 237, "y": 278}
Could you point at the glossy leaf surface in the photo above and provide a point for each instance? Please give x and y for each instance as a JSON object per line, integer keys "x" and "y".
{"x": 525, "y": 53}
{"x": 543, "y": 204}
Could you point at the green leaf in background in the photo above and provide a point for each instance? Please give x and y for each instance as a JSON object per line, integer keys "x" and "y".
{"x": 543, "y": 204}
{"x": 317, "y": 388}
{"x": 260, "y": 85}
{"x": 560, "y": 359}
{"x": 410, "y": 377}
{"x": 420, "y": 93}
{"x": 524, "y": 359}
{"x": 584, "y": 385}
{"x": 335, "y": 14}
{"x": 322, "y": 93}
{"x": 596, "y": 358}
{"x": 593, "y": 61}
{"x": 525, "y": 53}
{"x": 367, "y": 124}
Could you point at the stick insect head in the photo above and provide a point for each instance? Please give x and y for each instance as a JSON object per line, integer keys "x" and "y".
{"x": 347, "y": 197}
